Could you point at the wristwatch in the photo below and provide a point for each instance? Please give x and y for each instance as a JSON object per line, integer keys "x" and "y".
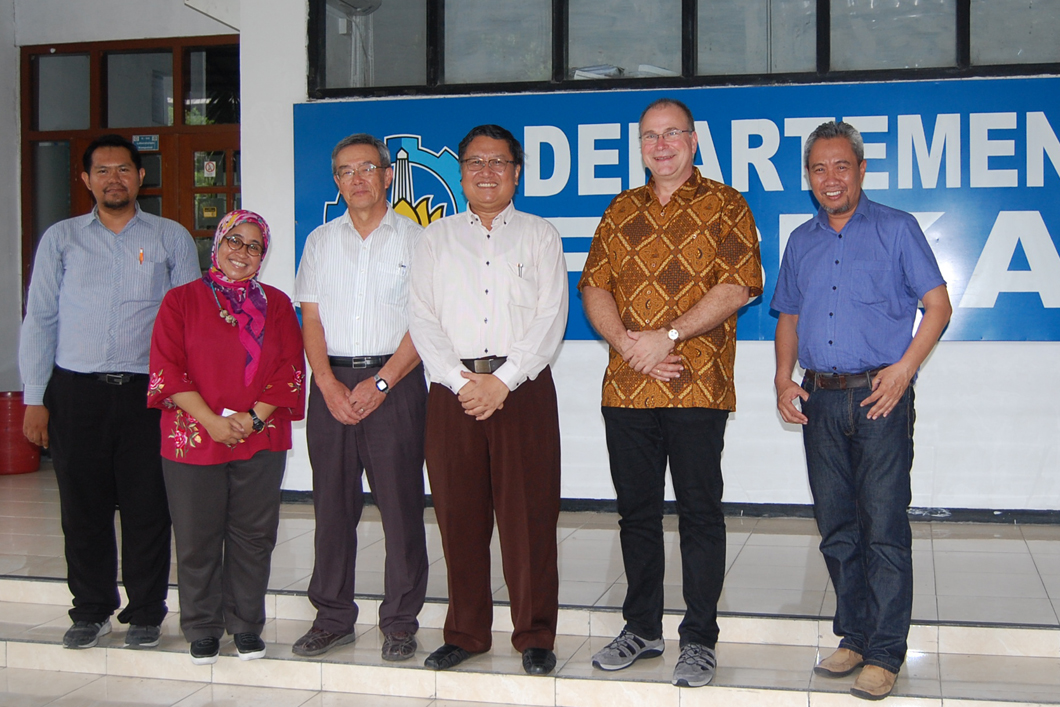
{"x": 258, "y": 423}
{"x": 381, "y": 385}
{"x": 672, "y": 333}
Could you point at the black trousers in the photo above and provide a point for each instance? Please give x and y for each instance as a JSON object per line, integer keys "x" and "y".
{"x": 105, "y": 446}
{"x": 640, "y": 443}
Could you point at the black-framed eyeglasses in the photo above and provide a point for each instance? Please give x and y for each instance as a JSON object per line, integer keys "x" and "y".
{"x": 236, "y": 244}
{"x": 365, "y": 170}
{"x": 477, "y": 164}
{"x": 668, "y": 136}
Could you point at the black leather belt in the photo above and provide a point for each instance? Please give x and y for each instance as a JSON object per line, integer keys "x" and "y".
{"x": 842, "y": 381}
{"x": 112, "y": 378}
{"x": 489, "y": 364}
{"x": 359, "y": 361}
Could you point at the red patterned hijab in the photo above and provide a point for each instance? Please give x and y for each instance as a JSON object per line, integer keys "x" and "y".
{"x": 245, "y": 299}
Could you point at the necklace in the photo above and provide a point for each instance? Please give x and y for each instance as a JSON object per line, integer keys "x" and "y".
{"x": 223, "y": 312}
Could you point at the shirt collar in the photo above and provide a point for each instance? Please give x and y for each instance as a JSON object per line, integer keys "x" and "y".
{"x": 688, "y": 189}
{"x": 94, "y": 216}
{"x": 504, "y": 217}
{"x": 861, "y": 210}
{"x": 388, "y": 220}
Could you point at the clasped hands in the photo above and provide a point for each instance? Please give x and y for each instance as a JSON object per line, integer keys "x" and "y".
{"x": 651, "y": 353}
{"x": 350, "y": 407}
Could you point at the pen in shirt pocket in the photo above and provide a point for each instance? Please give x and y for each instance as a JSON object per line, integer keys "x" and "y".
{"x": 520, "y": 266}
{"x": 141, "y": 256}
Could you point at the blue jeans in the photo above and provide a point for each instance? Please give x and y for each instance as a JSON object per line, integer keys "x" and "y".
{"x": 640, "y": 443}
{"x": 859, "y": 477}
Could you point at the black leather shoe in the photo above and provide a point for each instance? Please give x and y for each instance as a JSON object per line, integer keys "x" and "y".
{"x": 448, "y": 656}
{"x": 538, "y": 661}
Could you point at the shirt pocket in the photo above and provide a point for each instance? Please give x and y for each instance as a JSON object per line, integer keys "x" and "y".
{"x": 147, "y": 282}
{"x": 392, "y": 283}
{"x": 871, "y": 281}
{"x": 523, "y": 297}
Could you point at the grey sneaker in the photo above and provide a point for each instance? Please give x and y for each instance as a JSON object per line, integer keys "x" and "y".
{"x": 695, "y": 667}
{"x": 625, "y": 650}
{"x": 85, "y": 634}
{"x": 142, "y": 636}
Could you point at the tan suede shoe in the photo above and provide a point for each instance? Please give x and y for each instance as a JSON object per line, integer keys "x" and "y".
{"x": 874, "y": 683}
{"x": 840, "y": 664}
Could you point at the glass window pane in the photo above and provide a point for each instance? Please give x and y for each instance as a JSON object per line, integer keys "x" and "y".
{"x": 498, "y": 40}
{"x": 893, "y": 34}
{"x": 213, "y": 86}
{"x": 209, "y": 209}
{"x": 51, "y": 185}
{"x": 1015, "y": 31}
{"x": 757, "y": 36}
{"x": 608, "y": 38}
{"x": 139, "y": 89}
{"x": 237, "y": 163}
{"x": 152, "y": 170}
{"x": 205, "y": 248}
{"x": 210, "y": 169}
{"x": 62, "y": 91}
{"x": 375, "y": 43}
{"x": 150, "y": 204}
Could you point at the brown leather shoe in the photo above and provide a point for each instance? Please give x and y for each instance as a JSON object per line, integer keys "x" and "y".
{"x": 317, "y": 641}
{"x": 874, "y": 683}
{"x": 840, "y": 664}
{"x": 399, "y": 645}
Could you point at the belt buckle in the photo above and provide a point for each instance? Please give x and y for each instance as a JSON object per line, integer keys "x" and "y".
{"x": 484, "y": 365}
{"x": 115, "y": 378}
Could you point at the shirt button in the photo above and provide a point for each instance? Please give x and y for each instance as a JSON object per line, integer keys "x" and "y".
{"x": 830, "y": 314}
{"x": 487, "y": 292}
{"x": 487, "y": 262}
{"x": 485, "y": 321}
{"x": 837, "y": 262}
{"x": 833, "y": 287}
{"x": 829, "y": 342}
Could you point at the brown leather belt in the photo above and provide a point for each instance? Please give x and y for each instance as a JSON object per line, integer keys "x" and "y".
{"x": 842, "y": 381}
{"x": 489, "y": 364}
{"x": 359, "y": 361}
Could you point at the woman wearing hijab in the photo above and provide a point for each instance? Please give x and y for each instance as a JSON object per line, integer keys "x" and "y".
{"x": 227, "y": 371}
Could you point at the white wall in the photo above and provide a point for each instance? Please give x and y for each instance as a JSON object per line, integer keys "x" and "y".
{"x": 63, "y": 21}
{"x": 10, "y": 225}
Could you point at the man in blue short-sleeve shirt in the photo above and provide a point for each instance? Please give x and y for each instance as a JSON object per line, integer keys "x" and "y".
{"x": 847, "y": 296}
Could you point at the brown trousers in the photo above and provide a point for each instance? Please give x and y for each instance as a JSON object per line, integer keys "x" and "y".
{"x": 508, "y": 464}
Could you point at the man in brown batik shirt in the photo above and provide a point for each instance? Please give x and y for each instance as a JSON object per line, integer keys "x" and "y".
{"x": 670, "y": 266}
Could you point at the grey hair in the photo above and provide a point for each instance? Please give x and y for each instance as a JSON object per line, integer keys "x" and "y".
{"x": 832, "y": 129}
{"x": 362, "y": 139}
{"x": 669, "y": 103}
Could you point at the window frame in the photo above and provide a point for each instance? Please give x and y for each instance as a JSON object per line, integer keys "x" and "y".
{"x": 435, "y": 57}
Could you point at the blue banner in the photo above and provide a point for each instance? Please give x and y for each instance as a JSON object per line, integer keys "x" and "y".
{"x": 976, "y": 160}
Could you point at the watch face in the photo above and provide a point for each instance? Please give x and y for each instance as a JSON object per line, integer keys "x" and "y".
{"x": 381, "y": 385}
{"x": 672, "y": 334}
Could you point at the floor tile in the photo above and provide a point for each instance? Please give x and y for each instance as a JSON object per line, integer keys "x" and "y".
{"x": 997, "y": 610}
{"x": 110, "y": 690}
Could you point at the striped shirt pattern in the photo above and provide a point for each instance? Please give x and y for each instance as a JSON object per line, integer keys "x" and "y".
{"x": 94, "y": 296}
{"x": 361, "y": 286}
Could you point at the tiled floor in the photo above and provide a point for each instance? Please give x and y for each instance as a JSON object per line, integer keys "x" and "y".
{"x": 964, "y": 574}
{"x": 974, "y": 573}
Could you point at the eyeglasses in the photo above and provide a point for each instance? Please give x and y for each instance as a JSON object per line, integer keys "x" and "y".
{"x": 253, "y": 249}
{"x": 668, "y": 136}
{"x": 365, "y": 170}
{"x": 477, "y": 164}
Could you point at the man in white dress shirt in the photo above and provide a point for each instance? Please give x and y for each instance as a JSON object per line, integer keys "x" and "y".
{"x": 367, "y": 402}
{"x": 489, "y": 307}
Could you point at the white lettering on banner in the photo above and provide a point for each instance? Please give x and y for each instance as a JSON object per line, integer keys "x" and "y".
{"x": 873, "y": 150}
{"x": 1041, "y": 141}
{"x": 801, "y": 128}
{"x": 534, "y": 136}
{"x": 743, "y": 155}
{"x": 981, "y": 148}
{"x": 946, "y": 140}
{"x": 710, "y": 167}
{"x": 788, "y": 223}
{"x": 637, "y": 177}
{"x": 589, "y": 157}
{"x": 992, "y": 275}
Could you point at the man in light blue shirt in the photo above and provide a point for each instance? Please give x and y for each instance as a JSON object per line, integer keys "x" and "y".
{"x": 847, "y": 296}
{"x": 97, "y": 282}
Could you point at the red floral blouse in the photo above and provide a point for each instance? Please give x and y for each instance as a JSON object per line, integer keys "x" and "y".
{"x": 193, "y": 348}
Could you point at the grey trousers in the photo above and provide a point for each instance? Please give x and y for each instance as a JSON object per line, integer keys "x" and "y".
{"x": 388, "y": 446}
{"x": 224, "y": 522}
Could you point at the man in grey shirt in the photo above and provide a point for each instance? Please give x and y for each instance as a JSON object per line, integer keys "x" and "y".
{"x": 97, "y": 282}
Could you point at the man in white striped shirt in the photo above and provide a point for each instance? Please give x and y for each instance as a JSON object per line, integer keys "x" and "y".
{"x": 367, "y": 402}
